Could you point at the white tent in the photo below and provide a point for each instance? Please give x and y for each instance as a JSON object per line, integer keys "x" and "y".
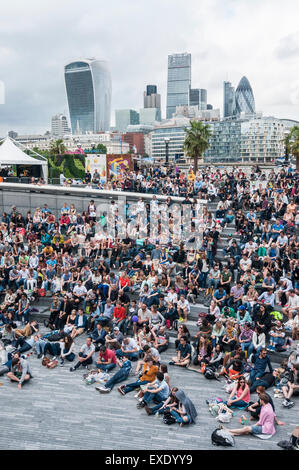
{"x": 11, "y": 154}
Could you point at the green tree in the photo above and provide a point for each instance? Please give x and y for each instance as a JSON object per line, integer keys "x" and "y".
{"x": 102, "y": 148}
{"x": 197, "y": 141}
{"x": 292, "y": 144}
{"x": 57, "y": 147}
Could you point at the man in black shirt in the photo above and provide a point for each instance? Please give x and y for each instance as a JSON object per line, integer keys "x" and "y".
{"x": 184, "y": 351}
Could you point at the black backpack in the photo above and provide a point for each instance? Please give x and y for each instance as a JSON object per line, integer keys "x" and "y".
{"x": 210, "y": 373}
{"x": 221, "y": 437}
{"x": 168, "y": 418}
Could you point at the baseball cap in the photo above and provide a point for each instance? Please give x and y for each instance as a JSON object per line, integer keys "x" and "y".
{"x": 116, "y": 328}
{"x": 242, "y": 307}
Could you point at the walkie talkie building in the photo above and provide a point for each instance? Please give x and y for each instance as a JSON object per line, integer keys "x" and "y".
{"x": 88, "y": 89}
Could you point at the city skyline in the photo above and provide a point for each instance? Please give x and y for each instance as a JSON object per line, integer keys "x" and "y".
{"x": 35, "y": 92}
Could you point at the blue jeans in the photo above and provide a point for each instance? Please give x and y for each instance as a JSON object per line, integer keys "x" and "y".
{"x": 148, "y": 396}
{"x": 179, "y": 418}
{"x": 40, "y": 346}
{"x": 238, "y": 403}
{"x": 245, "y": 346}
{"x": 256, "y": 383}
{"x": 251, "y": 349}
{"x": 130, "y": 387}
{"x": 106, "y": 367}
{"x": 255, "y": 373}
{"x": 132, "y": 356}
{"x": 121, "y": 375}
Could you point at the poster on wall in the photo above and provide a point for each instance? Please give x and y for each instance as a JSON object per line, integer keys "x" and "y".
{"x": 96, "y": 162}
{"x": 117, "y": 165}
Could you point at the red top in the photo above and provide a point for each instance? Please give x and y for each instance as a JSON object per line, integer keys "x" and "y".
{"x": 119, "y": 313}
{"x": 109, "y": 354}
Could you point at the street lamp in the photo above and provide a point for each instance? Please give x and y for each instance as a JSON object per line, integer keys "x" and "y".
{"x": 166, "y": 140}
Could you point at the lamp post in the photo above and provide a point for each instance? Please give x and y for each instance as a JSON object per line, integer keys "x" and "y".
{"x": 166, "y": 140}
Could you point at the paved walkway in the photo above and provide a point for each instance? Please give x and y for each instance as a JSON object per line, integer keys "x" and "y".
{"x": 58, "y": 411}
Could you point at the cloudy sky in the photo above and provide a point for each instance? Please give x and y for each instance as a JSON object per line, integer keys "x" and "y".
{"x": 227, "y": 39}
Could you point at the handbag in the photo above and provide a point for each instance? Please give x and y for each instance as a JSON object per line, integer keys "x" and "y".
{"x": 52, "y": 364}
{"x": 45, "y": 361}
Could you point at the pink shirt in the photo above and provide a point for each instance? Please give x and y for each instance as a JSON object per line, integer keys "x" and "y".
{"x": 267, "y": 419}
{"x": 246, "y": 397}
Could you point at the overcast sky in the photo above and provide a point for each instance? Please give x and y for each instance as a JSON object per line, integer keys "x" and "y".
{"x": 227, "y": 39}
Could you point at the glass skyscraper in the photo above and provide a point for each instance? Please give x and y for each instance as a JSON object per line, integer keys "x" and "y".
{"x": 88, "y": 88}
{"x": 228, "y": 99}
{"x": 178, "y": 82}
{"x": 244, "y": 98}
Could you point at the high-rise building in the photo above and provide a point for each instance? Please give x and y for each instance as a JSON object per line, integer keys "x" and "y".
{"x": 151, "y": 98}
{"x": 244, "y": 98}
{"x": 198, "y": 97}
{"x": 125, "y": 117}
{"x": 151, "y": 112}
{"x": 178, "y": 82}
{"x": 88, "y": 88}
{"x": 228, "y": 99}
{"x": 59, "y": 126}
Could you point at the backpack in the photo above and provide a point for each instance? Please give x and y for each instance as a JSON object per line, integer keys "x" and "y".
{"x": 168, "y": 418}
{"x": 221, "y": 437}
{"x": 210, "y": 373}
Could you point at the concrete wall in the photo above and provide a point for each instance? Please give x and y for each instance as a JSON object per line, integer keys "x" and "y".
{"x": 28, "y": 197}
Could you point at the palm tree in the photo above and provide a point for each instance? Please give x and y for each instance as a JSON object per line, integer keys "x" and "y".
{"x": 57, "y": 147}
{"x": 292, "y": 144}
{"x": 197, "y": 141}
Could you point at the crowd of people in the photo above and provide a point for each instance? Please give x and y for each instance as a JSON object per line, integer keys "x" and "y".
{"x": 130, "y": 294}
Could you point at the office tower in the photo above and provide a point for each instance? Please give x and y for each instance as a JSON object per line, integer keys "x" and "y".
{"x": 125, "y": 117}
{"x": 178, "y": 82}
{"x": 151, "y": 98}
{"x": 59, "y": 126}
{"x": 198, "y": 97}
{"x": 88, "y": 88}
{"x": 244, "y": 98}
{"x": 228, "y": 99}
{"x": 194, "y": 97}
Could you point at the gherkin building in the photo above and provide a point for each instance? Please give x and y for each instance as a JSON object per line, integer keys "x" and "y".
{"x": 244, "y": 99}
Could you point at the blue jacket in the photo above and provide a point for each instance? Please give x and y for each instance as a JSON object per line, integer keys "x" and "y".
{"x": 261, "y": 364}
{"x": 84, "y": 321}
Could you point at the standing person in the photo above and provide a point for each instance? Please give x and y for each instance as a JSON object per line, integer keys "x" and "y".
{"x": 85, "y": 356}
{"x": 264, "y": 426}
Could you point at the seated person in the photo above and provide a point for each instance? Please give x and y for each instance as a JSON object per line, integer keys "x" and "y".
{"x": 240, "y": 394}
{"x": 20, "y": 371}
{"x": 130, "y": 348}
{"x": 264, "y": 426}
{"x": 149, "y": 374}
{"x": 122, "y": 374}
{"x": 107, "y": 359}
{"x": 85, "y": 356}
{"x": 159, "y": 390}
{"x": 184, "y": 351}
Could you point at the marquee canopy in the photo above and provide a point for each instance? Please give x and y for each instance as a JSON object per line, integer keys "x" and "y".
{"x": 11, "y": 154}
